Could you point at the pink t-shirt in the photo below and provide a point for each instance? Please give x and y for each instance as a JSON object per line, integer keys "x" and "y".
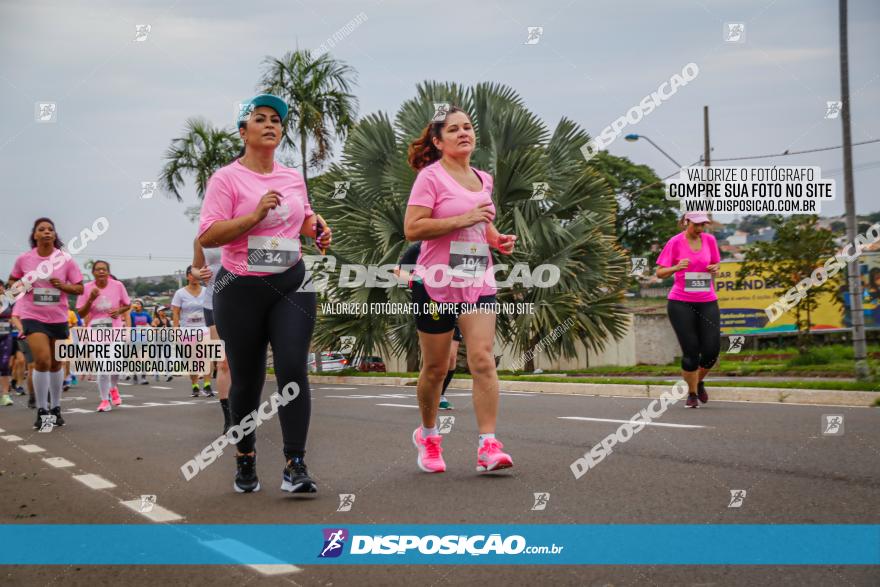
{"x": 693, "y": 284}
{"x": 235, "y": 191}
{"x": 435, "y": 188}
{"x": 44, "y": 302}
{"x": 112, "y": 296}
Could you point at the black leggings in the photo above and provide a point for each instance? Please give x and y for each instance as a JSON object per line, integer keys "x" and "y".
{"x": 252, "y": 312}
{"x": 698, "y": 328}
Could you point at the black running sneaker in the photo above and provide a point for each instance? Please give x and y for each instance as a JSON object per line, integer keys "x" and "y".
{"x": 701, "y": 392}
{"x": 692, "y": 401}
{"x": 40, "y": 413}
{"x": 295, "y": 478}
{"x": 195, "y": 392}
{"x": 246, "y": 474}
{"x": 32, "y": 402}
{"x": 59, "y": 421}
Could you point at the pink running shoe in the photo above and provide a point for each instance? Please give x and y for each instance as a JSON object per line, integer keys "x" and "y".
{"x": 490, "y": 457}
{"x": 430, "y": 453}
{"x": 114, "y": 396}
{"x": 104, "y": 406}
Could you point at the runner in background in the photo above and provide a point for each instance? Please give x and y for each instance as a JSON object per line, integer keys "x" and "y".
{"x": 70, "y": 378}
{"x": 140, "y": 319}
{"x": 161, "y": 319}
{"x": 450, "y": 210}
{"x": 103, "y": 304}
{"x": 7, "y": 352}
{"x": 693, "y": 257}
{"x": 188, "y": 311}
{"x": 206, "y": 262}
{"x": 408, "y": 260}
{"x": 43, "y": 310}
{"x": 24, "y": 360}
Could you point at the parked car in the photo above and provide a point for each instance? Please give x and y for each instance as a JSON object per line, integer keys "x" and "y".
{"x": 330, "y": 362}
{"x": 375, "y": 364}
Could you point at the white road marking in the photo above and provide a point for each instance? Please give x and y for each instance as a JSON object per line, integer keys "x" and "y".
{"x": 160, "y": 387}
{"x": 58, "y": 462}
{"x": 11, "y": 438}
{"x": 398, "y": 405}
{"x": 77, "y": 411}
{"x": 336, "y": 388}
{"x": 2, "y": 430}
{"x": 156, "y": 514}
{"x": 94, "y": 481}
{"x": 121, "y": 383}
{"x": 31, "y": 448}
{"x": 629, "y": 421}
{"x": 380, "y": 396}
{"x": 238, "y": 551}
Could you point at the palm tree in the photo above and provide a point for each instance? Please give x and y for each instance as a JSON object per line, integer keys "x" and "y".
{"x": 572, "y": 229}
{"x": 318, "y": 93}
{"x": 202, "y": 150}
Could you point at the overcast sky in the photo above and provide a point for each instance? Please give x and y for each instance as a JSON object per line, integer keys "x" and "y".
{"x": 120, "y": 102}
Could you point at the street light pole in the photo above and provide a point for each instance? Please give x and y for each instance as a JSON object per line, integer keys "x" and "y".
{"x": 634, "y": 137}
{"x": 857, "y": 314}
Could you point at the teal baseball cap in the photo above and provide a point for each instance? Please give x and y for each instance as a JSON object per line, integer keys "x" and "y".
{"x": 273, "y": 102}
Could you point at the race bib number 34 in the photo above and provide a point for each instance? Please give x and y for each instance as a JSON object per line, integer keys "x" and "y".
{"x": 46, "y": 296}
{"x": 269, "y": 254}
{"x": 468, "y": 259}
{"x": 697, "y": 282}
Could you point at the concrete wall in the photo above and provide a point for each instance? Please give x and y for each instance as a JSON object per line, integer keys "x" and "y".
{"x": 648, "y": 339}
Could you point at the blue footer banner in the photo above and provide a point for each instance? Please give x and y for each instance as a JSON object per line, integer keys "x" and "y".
{"x": 536, "y": 544}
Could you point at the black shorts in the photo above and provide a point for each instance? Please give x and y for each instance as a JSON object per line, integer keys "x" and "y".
{"x": 445, "y": 318}
{"x": 456, "y": 334}
{"x": 58, "y": 331}
{"x": 209, "y": 317}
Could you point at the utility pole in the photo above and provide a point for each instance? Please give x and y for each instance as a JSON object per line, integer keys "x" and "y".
{"x": 857, "y": 314}
{"x": 706, "y": 150}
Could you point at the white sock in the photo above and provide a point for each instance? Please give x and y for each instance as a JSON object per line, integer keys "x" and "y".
{"x": 56, "y": 385}
{"x": 41, "y": 389}
{"x": 485, "y": 437}
{"x": 114, "y": 380}
{"x": 426, "y": 432}
{"x": 104, "y": 386}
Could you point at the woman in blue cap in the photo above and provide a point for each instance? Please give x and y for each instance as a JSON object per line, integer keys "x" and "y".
{"x": 256, "y": 209}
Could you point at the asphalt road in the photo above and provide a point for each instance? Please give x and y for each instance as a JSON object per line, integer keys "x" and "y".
{"x": 360, "y": 444}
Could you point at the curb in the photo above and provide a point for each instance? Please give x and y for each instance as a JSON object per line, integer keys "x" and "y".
{"x": 816, "y": 397}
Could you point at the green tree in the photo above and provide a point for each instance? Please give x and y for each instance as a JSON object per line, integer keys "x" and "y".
{"x": 202, "y": 150}
{"x": 318, "y": 93}
{"x": 572, "y": 229}
{"x": 645, "y": 218}
{"x": 799, "y": 248}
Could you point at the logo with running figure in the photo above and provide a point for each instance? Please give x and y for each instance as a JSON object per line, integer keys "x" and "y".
{"x": 346, "y": 501}
{"x": 734, "y": 32}
{"x": 534, "y": 35}
{"x": 441, "y": 109}
{"x": 539, "y": 190}
{"x": 141, "y": 32}
{"x": 832, "y": 424}
{"x": 832, "y": 109}
{"x": 340, "y": 189}
{"x": 45, "y": 111}
{"x": 541, "y": 501}
{"x": 737, "y": 497}
{"x": 639, "y": 264}
{"x": 148, "y": 502}
{"x": 334, "y": 542}
{"x": 47, "y": 423}
{"x": 736, "y": 344}
{"x": 445, "y": 423}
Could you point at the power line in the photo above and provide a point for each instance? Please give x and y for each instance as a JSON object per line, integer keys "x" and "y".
{"x": 788, "y": 153}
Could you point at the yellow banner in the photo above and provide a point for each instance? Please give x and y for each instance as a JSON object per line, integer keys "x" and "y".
{"x": 743, "y": 308}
